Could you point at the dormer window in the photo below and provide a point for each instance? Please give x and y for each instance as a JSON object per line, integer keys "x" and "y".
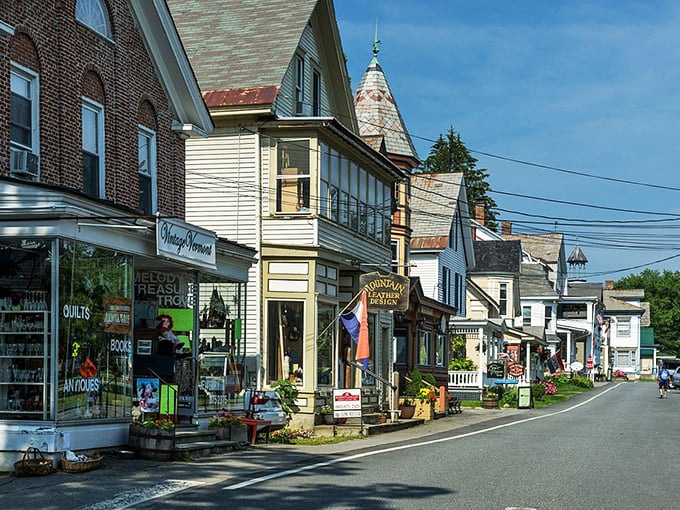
{"x": 93, "y": 14}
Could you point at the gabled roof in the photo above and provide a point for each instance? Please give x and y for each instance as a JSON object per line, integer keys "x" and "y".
{"x": 172, "y": 65}
{"x": 533, "y": 282}
{"x": 492, "y": 306}
{"x": 378, "y": 114}
{"x": 583, "y": 289}
{"x": 547, "y": 247}
{"x": 615, "y": 301}
{"x": 434, "y": 198}
{"x": 241, "y": 50}
{"x": 497, "y": 256}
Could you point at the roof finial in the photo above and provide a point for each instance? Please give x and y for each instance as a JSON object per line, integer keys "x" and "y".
{"x": 376, "y": 41}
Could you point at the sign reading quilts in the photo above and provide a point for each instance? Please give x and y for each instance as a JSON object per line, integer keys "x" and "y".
{"x": 385, "y": 292}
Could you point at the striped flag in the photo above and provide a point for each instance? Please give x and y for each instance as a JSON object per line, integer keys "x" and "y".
{"x": 356, "y": 323}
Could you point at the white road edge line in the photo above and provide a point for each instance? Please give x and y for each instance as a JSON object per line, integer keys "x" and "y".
{"x": 287, "y": 472}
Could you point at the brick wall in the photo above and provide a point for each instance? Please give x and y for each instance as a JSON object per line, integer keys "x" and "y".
{"x": 72, "y": 61}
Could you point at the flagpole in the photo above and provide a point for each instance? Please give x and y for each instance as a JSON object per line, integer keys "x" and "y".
{"x": 341, "y": 312}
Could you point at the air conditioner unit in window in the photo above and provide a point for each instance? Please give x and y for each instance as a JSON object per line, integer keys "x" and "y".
{"x": 23, "y": 164}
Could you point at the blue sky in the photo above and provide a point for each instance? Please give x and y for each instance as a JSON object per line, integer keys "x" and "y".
{"x": 590, "y": 88}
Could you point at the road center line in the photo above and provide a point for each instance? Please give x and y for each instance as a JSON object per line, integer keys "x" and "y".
{"x": 287, "y": 472}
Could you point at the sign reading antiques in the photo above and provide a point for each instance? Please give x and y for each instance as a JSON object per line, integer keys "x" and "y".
{"x": 385, "y": 292}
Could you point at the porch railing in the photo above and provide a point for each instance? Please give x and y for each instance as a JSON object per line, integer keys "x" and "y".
{"x": 464, "y": 379}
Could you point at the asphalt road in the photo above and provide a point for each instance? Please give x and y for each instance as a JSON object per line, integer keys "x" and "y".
{"x": 602, "y": 449}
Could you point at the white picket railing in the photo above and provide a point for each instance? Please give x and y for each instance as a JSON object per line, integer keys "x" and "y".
{"x": 464, "y": 379}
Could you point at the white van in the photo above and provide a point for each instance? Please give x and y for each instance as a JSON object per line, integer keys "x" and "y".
{"x": 265, "y": 405}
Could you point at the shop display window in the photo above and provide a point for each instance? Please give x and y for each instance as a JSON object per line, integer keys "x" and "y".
{"x": 95, "y": 333}
{"x": 25, "y": 339}
{"x": 285, "y": 340}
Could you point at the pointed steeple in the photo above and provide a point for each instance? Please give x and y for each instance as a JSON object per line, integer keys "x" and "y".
{"x": 380, "y": 122}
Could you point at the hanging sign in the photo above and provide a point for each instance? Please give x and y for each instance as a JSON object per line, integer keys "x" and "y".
{"x": 184, "y": 242}
{"x": 385, "y": 292}
{"x": 515, "y": 369}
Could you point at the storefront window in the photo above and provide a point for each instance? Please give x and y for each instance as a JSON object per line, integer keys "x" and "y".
{"x": 95, "y": 332}
{"x": 285, "y": 340}
{"x": 25, "y": 327}
{"x": 424, "y": 347}
{"x": 324, "y": 344}
{"x": 439, "y": 351}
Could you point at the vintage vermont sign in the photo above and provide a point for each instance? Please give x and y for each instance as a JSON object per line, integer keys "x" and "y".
{"x": 385, "y": 292}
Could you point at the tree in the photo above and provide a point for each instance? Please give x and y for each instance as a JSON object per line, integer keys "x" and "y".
{"x": 662, "y": 291}
{"x": 449, "y": 154}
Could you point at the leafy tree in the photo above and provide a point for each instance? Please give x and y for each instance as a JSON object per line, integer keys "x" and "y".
{"x": 662, "y": 291}
{"x": 449, "y": 154}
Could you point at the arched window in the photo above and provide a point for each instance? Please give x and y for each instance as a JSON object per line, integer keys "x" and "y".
{"x": 93, "y": 14}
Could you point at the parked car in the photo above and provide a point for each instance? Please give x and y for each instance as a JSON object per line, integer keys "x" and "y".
{"x": 265, "y": 405}
{"x": 675, "y": 379}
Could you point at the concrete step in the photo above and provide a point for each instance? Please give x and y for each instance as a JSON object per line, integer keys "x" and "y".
{"x": 193, "y": 436}
{"x": 196, "y": 449}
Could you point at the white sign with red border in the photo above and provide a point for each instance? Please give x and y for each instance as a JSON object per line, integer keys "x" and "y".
{"x": 347, "y": 403}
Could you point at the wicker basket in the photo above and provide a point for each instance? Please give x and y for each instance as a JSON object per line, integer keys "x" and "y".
{"x": 80, "y": 466}
{"x": 33, "y": 463}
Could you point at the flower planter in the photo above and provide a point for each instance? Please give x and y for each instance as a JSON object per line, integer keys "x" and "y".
{"x": 238, "y": 433}
{"x": 221, "y": 433}
{"x": 328, "y": 419}
{"x": 490, "y": 403}
{"x": 424, "y": 409}
{"x": 150, "y": 443}
{"x": 407, "y": 411}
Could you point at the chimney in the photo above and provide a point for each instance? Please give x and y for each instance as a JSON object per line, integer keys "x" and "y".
{"x": 480, "y": 213}
{"x": 506, "y": 228}
{"x": 609, "y": 284}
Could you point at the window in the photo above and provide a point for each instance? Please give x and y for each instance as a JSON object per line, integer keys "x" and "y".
{"x": 285, "y": 339}
{"x": 93, "y": 14}
{"x": 526, "y": 316}
{"x": 316, "y": 93}
{"x": 23, "y": 117}
{"x": 299, "y": 85}
{"x": 439, "y": 351}
{"x": 446, "y": 285}
{"x": 394, "y": 245}
{"x": 458, "y": 290}
{"x": 292, "y": 193}
{"x": 93, "y": 148}
{"x": 325, "y": 343}
{"x": 503, "y": 298}
{"x": 624, "y": 359}
{"x": 623, "y": 327}
{"x": 147, "y": 170}
{"x": 548, "y": 316}
{"x": 424, "y": 339}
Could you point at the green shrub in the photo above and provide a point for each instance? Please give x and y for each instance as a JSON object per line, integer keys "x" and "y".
{"x": 509, "y": 398}
{"x": 537, "y": 391}
{"x": 582, "y": 382}
{"x": 462, "y": 364}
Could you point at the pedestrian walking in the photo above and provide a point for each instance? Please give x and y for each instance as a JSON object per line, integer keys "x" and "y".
{"x": 663, "y": 377}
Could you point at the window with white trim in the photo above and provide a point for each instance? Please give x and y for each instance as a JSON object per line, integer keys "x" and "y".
{"x": 147, "y": 170}
{"x": 623, "y": 327}
{"x": 293, "y": 178}
{"x": 93, "y": 148}
{"x": 92, "y": 13}
{"x": 23, "y": 110}
{"x": 503, "y": 298}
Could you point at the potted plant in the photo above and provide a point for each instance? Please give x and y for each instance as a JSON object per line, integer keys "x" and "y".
{"x": 407, "y": 406}
{"x": 490, "y": 400}
{"x": 228, "y": 426}
{"x": 153, "y": 439}
{"x": 326, "y": 413}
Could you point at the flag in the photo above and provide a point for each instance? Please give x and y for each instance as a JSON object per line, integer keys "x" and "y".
{"x": 356, "y": 323}
{"x": 600, "y": 318}
{"x": 560, "y": 363}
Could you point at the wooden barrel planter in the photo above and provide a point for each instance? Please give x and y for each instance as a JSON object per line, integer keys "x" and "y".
{"x": 489, "y": 403}
{"x": 150, "y": 443}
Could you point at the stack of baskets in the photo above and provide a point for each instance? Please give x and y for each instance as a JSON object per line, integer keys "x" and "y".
{"x": 33, "y": 463}
{"x": 83, "y": 463}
